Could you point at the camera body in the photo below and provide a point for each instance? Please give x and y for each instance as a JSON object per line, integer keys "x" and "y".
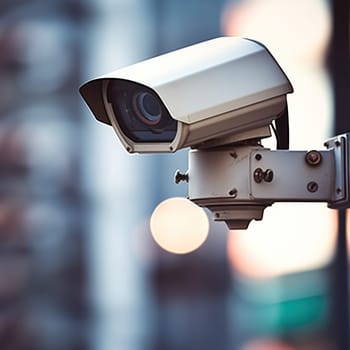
{"x": 214, "y": 93}
{"x": 220, "y": 98}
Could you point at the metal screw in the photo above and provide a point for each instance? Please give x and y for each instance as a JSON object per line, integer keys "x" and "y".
{"x": 261, "y": 175}
{"x": 180, "y": 177}
{"x": 312, "y": 186}
{"x": 268, "y": 175}
{"x": 313, "y": 158}
{"x": 258, "y": 175}
{"x": 337, "y": 143}
{"x": 233, "y": 192}
{"x": 258, "y": 156}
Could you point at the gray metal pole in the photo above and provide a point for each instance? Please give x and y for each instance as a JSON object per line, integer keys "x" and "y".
{"x": 340, "y": 74}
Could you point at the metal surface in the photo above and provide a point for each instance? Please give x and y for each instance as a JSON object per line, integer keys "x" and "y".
{"x": 228, "y": 87}
{"x": 219, "y": 180}
{"x": 236, "y": 183}
{"x": 241, "y": 71}
{"x": 291, "y": 176}
{"x": 214, "y": 173}
{"x": 339, "y": 58}
{"x": 236, "y": 214}
{"x": 340, "y": 146}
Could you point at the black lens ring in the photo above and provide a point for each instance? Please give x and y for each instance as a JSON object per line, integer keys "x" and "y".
{"x": 138, "y": 104}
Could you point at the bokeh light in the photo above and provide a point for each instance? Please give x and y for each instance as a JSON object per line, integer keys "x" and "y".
{"x": 271, "y": 248}
{"x": 267, "y": 344}
{"x": 179, "y": 226}
{"x": 292, "y": 45}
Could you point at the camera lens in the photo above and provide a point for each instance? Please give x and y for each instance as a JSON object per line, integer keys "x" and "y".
{"x": 140, "y": 113}
{"x": 147, "y": 108}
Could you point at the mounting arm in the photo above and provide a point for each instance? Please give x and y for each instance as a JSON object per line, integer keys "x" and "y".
{"x": 238, "y": 182}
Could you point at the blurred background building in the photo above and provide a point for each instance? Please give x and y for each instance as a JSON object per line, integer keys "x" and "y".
{"x": 78, "y": 267}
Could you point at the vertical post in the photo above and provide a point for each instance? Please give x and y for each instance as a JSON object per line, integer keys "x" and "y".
{"x": 340, "y": 74}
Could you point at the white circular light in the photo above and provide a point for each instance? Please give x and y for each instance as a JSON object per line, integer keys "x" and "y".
{"x": 179, "y": 226}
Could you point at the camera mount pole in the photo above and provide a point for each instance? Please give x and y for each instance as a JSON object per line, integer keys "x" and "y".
{"x": 238, "y": 182}
{"x": 339, "y": 66}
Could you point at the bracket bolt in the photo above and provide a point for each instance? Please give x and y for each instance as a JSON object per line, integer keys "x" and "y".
{"x": 268, "y": 176}
{"x": 233, "y": 193}
{"x": 180, "y": 177}
{"x": 313, "y": 158}
{"x": 312, "y": 186}
{"x": 261, "y": 175}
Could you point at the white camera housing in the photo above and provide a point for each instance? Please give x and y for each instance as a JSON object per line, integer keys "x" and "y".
{"x": 214, "y": 93}
{"x": 224, "y": 92}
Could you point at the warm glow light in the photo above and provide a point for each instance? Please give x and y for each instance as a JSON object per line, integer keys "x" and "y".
{"x": 179, "y": 226}
{"x": 348, "y": 230}
{"x": 267, "y": 344}
{"x": 289, "y": 239}
{"x": 296, "y": 32}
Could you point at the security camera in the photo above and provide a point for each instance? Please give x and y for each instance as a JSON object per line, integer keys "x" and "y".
{"x": 221, "y": 98}
{"x": 213, "y": 93}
